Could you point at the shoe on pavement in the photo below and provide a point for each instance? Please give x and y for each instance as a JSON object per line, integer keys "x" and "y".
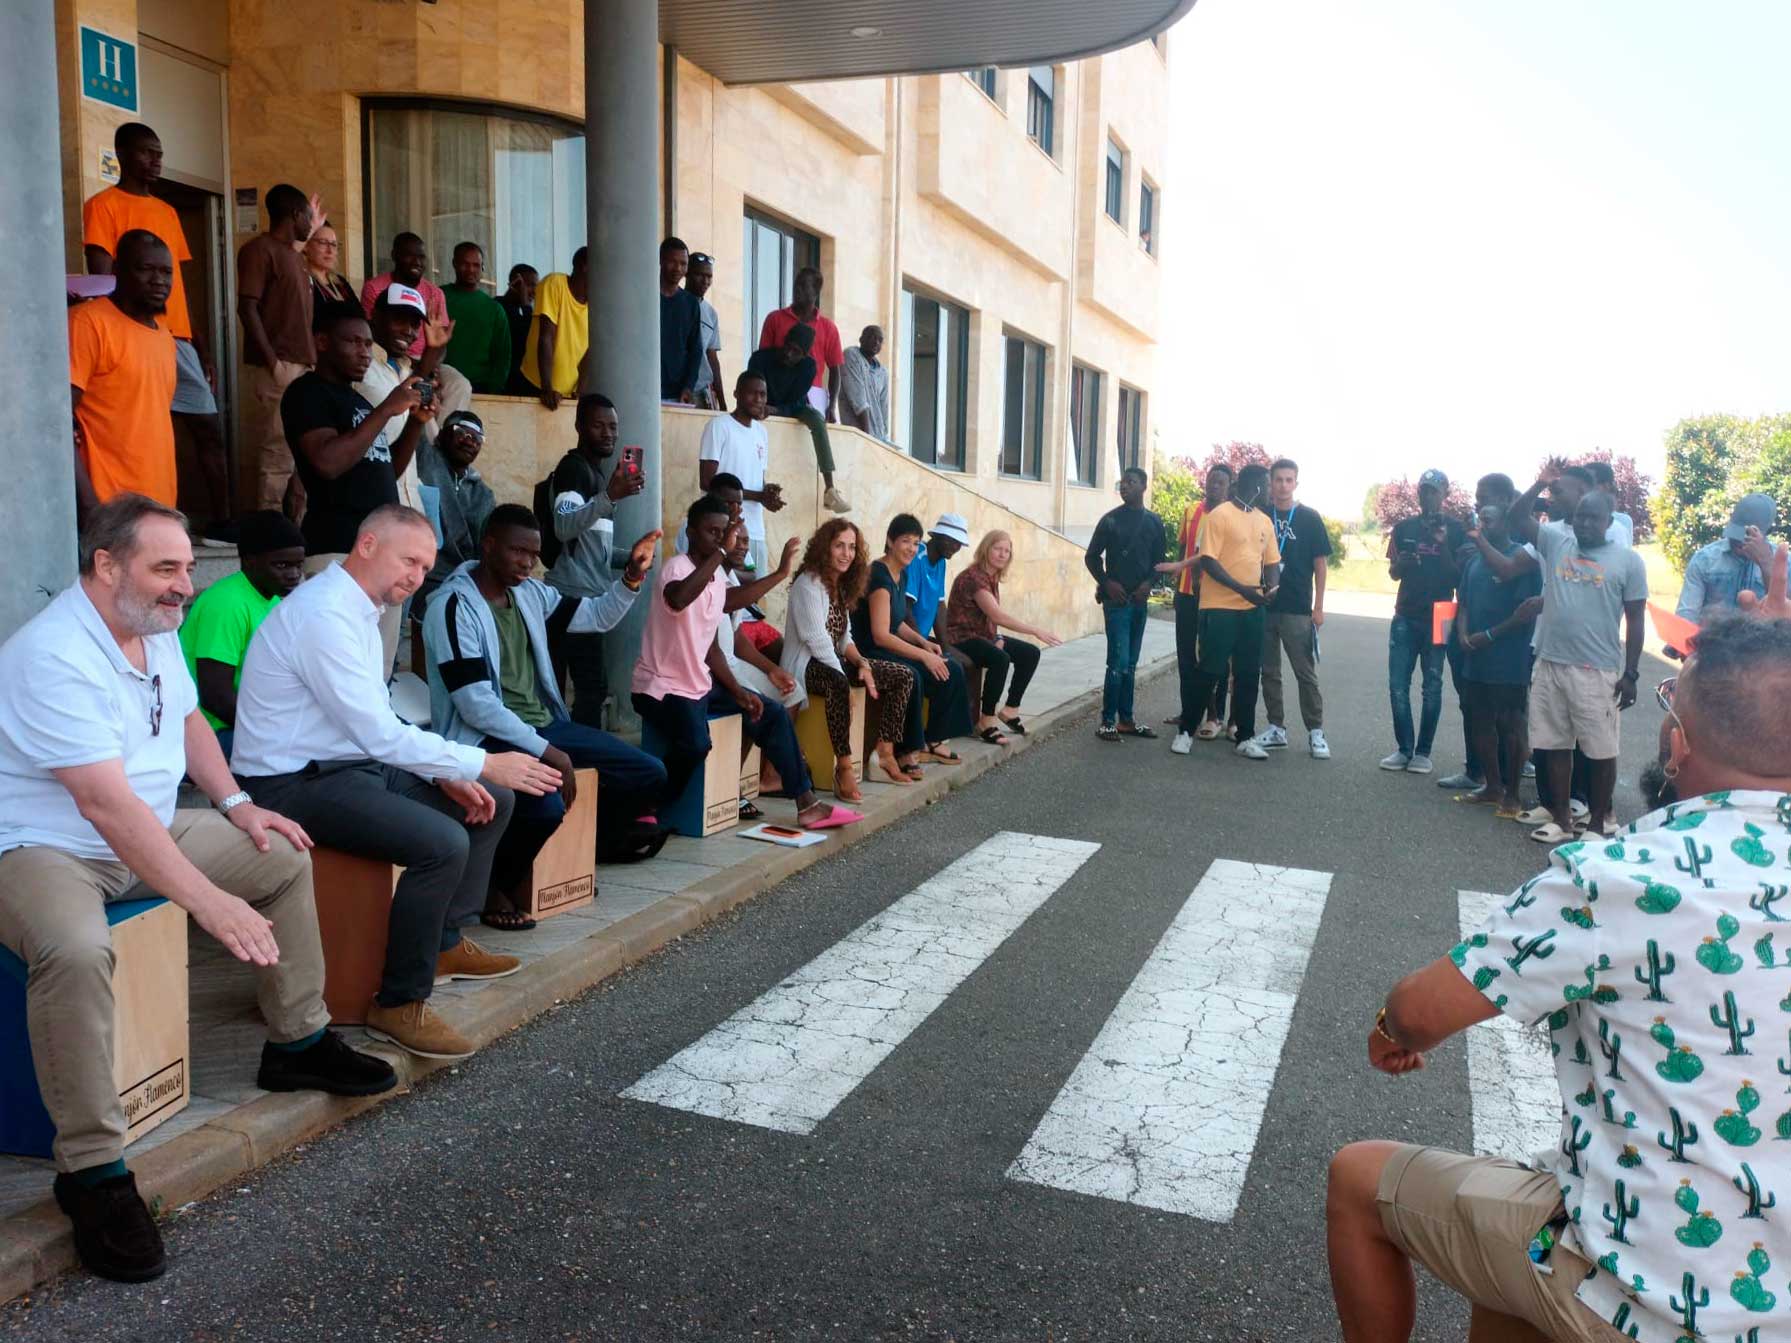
{"x": 1612, "y": 827}
{"x": 1461, "y": 783}
{"x": 329, "y": 1065}
{"x": 1534, "y": 816}
{"x": 1183, "y": 743}
{"x": 1579, "y": 810}
{"x": 1397, "y": 761}
{"x": 836, "y": 501}
{"x": 1316, "y": 743}
{"x": 1419, "y": 764}
{"x": 1272, "y": 738}
{"x": 114, "y": 1233}
{"x": 1249, "y": 749}
{"x": 1207, "y": 730}
{"x": 468, "y": 960}
{"x": 415, "y": 1028}
{"x": 1107, "y": 732}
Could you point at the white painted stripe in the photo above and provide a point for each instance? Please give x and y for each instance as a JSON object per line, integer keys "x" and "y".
{"x": 1511, "y": 1073}
{"x": 786, "y": 1060}
{"x": 1165, "y": 1108}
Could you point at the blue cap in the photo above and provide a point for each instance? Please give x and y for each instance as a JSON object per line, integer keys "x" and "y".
{"x": 1436, "y": 478}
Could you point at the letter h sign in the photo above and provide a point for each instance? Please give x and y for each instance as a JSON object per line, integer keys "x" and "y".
{"x": 108, "y": 69}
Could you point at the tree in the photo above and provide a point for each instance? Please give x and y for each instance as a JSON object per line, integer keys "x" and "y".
{"x": 1371, "y": 507}
{"x": 1398, "y": 499}
{"x": 1632, "y": 488}
{"x": 1235, "y": 454}
{"x": 1174, "y": 489}
{"x": 1690, "y": 507}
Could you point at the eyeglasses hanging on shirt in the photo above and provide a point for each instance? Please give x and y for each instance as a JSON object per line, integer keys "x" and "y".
{"x": 155, "y": 709}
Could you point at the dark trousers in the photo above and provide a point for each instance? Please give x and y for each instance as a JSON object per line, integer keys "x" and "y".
{"x": 1125, "y": 640}
{"x": 1408, "y": 645}
{"x": 1021, "y": 656}
{"x": 947, "y": 712}
{"x": 684, "y": 724}
{"x": 375, "y": 811}
{"x": 1454, "y": 652}
{"x": 1231, "y": 640}
{"x": 582, "y": 656}
{"x": 1187, "y": 666}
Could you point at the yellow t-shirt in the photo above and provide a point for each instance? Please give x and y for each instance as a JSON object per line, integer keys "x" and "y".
{"x": 572, "y": 335}
{"x": 1241, "y": 544}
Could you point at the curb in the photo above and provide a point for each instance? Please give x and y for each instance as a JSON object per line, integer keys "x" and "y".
{"x": 37, "y": 1243}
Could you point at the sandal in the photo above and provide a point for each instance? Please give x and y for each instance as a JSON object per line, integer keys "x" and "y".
{"x": 892, "y": 768}
{"x": 1013, "y": 725}
{"x": 845, "y": 782}
{"x": 1551, "y": 834}
{"x": 993, "y": 736}
{"x": 1207, "y": 730}
{"x": 749, "y": 811}
{"x": 943, "y": 756}
{"x": 507, "y": 920}
{"x": 1505, "y": 813}
{"x": 1138, "y": 730}
{"x": 1107, "y": 732}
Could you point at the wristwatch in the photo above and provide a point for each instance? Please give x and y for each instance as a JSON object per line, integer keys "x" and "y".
{"x": 232, "y": 802}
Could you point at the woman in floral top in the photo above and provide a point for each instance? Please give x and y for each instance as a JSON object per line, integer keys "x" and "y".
{"x": 974, "y": 619}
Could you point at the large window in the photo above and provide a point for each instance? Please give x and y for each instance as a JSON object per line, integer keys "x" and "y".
{"x": 514, "y": 185}
{"x": 935, "y": 376}
{"x": 1147, "y": 217}
{"x": 1085, "y": 425}
{"x": 983, "y": 78}
{"x": 1041, "y": 102}
{"x": 1023, "y": 409}
{"x": 1116, "y": 183}
{"x": 1131, "y": 427}
{"x": 772, "y": 252}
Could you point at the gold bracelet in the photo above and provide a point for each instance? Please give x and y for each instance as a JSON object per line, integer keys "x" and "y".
{"x": 1380, "y": 1029}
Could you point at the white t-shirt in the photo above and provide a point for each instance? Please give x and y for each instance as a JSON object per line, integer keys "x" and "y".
{"x": 739, "y": 450}
{"x": 68, "y": 697}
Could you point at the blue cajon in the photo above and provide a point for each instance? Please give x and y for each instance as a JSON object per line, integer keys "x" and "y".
{"x": 711, "y": 800}
{"x": 150, "y": 1055}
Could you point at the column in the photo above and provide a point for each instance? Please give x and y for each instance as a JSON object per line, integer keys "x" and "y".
{"x": 37, "y": 506}
{"x": 622, "y": 124}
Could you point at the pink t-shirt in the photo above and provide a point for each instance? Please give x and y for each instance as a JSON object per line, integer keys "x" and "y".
{"x": 675, "y": 647}
{"x": 433, "y": 299}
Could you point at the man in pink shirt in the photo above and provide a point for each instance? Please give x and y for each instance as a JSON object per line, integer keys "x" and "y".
{"x": 409, "y": 260}
{"x": 682, "y": 679}
{"x": 829, "y": 355}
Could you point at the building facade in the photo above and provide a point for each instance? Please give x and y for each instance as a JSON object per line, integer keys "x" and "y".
{"x": 1002, "y": 225}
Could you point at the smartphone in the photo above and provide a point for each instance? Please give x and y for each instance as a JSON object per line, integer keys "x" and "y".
{"x": 425, "y": 393}
{"x": 631, "y": 460}
{"x": 1408, "y": 545}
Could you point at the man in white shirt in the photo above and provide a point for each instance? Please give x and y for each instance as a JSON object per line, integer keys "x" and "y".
{"x": 1623, "y": 527}
{"x": 98, "y": 722}
{"x": 736, "y": 445}
{"x": 400, "y": 314}
{"x": 316, "y": 736}
{"x": 864, "y": 386}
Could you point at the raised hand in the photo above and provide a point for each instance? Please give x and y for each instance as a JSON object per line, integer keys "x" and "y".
{"x": 1776, "y": 604}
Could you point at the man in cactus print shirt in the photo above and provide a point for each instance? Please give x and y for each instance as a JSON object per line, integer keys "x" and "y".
{"x": 1660, "y": 962}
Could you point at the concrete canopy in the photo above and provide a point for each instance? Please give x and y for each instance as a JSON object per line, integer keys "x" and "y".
{"x": 788, "y": 41}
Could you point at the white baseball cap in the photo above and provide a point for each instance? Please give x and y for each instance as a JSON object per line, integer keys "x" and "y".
{"x": 403, "y": 296}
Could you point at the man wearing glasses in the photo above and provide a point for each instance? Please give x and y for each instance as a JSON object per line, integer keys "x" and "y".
{"x": 98, "y": 722}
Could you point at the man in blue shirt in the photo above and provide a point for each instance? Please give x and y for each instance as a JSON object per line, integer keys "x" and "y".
{"x": 926, "y": 585}
{"x": 1720, "y": 572}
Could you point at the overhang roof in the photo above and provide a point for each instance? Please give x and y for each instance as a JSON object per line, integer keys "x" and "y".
{"x": 788, "y": 41}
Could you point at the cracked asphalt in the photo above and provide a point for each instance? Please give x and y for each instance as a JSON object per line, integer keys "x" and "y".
{"x": 522, "y": 1198}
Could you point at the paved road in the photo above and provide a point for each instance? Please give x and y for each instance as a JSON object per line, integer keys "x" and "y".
{"x": 524, "y": 1197}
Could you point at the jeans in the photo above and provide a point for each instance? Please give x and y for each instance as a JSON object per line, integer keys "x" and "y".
{"x": 1022, "y": 656}
{"x": 1457, "y": 655}
{"x": 684, "y": 724}
{"x": 1408, "y": 644}
{"x": 1125, "y": 640}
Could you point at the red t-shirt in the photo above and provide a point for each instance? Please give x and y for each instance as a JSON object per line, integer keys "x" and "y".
{"x": 827, "y": 350}
{"x": 1188, "y": 581}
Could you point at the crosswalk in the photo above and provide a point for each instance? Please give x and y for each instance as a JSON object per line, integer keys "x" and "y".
{"x": 1165, "y": 1108}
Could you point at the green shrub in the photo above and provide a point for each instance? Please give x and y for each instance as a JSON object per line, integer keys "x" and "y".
{"x": 1174, "y": 489}
{"x": 1699, "y": 452}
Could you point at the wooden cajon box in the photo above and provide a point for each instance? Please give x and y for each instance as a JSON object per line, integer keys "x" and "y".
{"x": 151, "y": 1061}
{"x": 817, "y": 746}
{"x": 354, "y": 914}
{"x": 711, "y": 799}
{"x": 565, "y": 872}
{"x": 750, "y": 769}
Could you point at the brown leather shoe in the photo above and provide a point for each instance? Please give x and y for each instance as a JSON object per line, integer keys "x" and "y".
{"x": 469, "y": 960}
{"x": 415, "y": 1027}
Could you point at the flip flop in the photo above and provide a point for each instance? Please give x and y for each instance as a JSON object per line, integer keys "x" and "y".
{"x": 1013, "y": 725}
{"x": 1505, "y": 813}
{"x": 838, "y": 816}
{"x": 750, "y": 812}
{"x": 943, "y": 756}
{"x": 1551, "y": 834}
{"x": 507, "y": 920}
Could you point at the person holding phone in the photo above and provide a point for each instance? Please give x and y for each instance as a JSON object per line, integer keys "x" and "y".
{"x": 1421, "y": 554}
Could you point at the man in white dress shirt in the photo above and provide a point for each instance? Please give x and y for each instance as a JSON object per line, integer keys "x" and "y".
{"x": 316, "y": 737}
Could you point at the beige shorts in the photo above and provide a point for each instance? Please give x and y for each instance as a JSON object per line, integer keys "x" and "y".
{"x": 1470, "y": 1220}
{"x": 1573, "y": 706}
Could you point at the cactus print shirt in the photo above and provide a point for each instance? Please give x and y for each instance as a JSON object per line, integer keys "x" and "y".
{"x": 1661, "y": 964}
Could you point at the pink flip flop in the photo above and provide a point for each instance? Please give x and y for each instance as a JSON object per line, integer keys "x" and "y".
{"x": 837, "y": 817}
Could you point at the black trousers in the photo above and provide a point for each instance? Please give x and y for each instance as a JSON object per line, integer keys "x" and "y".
{"x": 582, "y": 655}
{"x": 1018, "y": 654}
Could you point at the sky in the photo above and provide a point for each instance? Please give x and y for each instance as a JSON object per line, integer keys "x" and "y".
{"x": 1471, "y": 233}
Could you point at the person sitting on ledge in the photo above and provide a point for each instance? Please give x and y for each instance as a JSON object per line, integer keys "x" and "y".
{"x": 491, "y": 684}
{"x": 317, "y": 737}
{"x": 681, "y": 678}
{"x": 98, "y": 722}
{"x": 974, "y": 619}
{"x": 788, "y": 371}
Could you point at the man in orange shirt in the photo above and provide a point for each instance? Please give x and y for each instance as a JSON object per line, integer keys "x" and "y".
{"x": 121, "y": 379}
{"x": 106, "y": 218}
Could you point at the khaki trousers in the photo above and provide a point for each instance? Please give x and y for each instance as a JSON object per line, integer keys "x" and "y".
{"x": 263, "y": 433}
{"x": 52, "y": 916}
{"x": 1292, "y": 631}
{"x": 390, "y": 617}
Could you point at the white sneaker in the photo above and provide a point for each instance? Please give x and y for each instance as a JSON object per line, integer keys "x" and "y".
{"x": 836, "y": 501}
{"x": 1579, "y": 810}
{"x": 1321, "y": 749}
{"x": 1183, "y": 743}
{"x": 1397, "y": 761}
{"x": 1250, "y": 750}
{"x": 1272, "y": 738}
{"x": 1419, "y": 764}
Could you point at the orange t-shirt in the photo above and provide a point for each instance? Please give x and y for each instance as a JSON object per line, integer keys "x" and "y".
{"x": 114, "y": 212}
{"x": 125, "y": 371}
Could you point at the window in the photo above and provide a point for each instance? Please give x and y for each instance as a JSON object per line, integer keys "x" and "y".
{"x": 514, "y": 185}
{"x": 1147, "y": 217}
{"x": 1116, "y": 183}
{"x": 1023, "y": 409}
{"x": 1131, "y": 427}
{"x": 1085, "y": 425}
{"x": 1041, "y": 95}
{"x": 772, "y": 252}
{"x": 935, "y": 375}
{"x": 983, "y": 78}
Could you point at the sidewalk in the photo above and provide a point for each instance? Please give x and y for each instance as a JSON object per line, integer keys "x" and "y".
{"x": 231, "y": 1127}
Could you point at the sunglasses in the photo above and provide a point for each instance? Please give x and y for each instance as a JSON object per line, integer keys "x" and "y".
{"x": 155, "y": 710}
{"x": 1663, "y": 693}
{"x": 702, "y": 257}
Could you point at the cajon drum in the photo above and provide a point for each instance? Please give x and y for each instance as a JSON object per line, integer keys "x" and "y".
{"x": 750, "y": 769}
{"x": 354, "y": 914}
{"x": 711, "y": 800}
{"x": 565, "y": 872}
{"x": 817, "y": 746}
{"x": 150, "y": 1056}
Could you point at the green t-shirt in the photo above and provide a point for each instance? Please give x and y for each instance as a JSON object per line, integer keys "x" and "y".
{"x": 218, "y": 628}
{"x": 516, "y": 668}
{"x": 480, "y": 345}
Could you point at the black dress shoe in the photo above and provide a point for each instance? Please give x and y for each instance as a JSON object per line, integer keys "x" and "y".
{"x": 114, "y": 1233}
{"x": 329, "y": 1065}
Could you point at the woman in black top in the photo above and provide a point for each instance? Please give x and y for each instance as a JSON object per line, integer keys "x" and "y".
{"x": 322, "y": 251}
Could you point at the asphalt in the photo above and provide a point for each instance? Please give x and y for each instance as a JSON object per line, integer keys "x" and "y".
{"x": 519, "y": 1197}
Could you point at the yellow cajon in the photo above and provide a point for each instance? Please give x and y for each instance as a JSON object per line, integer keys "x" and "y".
{"x": 149, "y": 1018}
{"x": 749, "y": 773}
{"x": 817, "y": 746}
{"x": 565, "y": 872}
{"x": 354, "y": 914}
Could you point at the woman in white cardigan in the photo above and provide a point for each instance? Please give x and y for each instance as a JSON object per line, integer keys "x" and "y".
{"x": 820, "y": 657}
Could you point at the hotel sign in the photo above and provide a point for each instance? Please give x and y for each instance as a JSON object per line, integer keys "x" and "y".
{"x": 108, "y": 69}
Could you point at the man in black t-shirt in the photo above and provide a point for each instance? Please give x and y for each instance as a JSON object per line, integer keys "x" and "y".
{"x": 1122, "y": 556}
{"x": 1421, "y": 555}
{"x": 1296, "y": 612}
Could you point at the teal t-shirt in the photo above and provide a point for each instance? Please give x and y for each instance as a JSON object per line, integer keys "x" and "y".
{"x": 223, "y": 620}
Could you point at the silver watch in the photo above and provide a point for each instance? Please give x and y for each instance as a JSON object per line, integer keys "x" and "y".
{"x": 232, "y": 802}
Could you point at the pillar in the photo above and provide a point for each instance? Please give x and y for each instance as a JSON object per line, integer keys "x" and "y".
{"x": 622, "y": 126}
{"x": 37, "y": 503}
